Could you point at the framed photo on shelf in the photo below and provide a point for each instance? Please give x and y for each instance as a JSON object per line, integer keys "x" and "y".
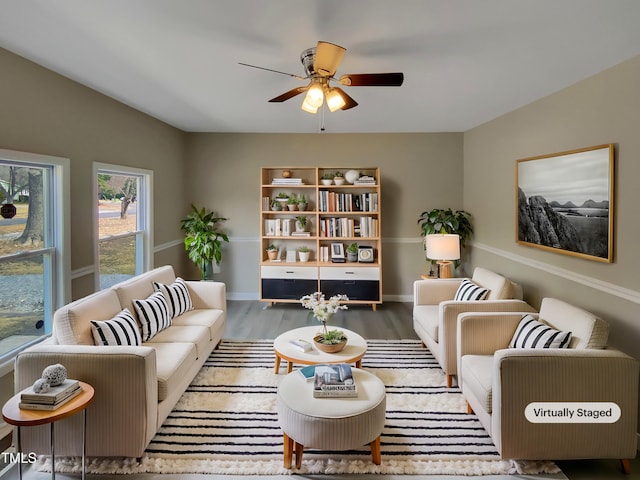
{"x": 337, "y": 253}
{"x": 564, "y": 202}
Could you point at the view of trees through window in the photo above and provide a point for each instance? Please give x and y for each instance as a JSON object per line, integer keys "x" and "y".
{"x": 118, "y": 227}
{"x": 25, "y": 254}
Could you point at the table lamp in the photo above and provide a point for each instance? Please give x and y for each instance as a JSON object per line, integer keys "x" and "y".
{"x": 443, "y": 247}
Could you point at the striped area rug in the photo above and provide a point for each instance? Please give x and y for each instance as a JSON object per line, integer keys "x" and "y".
{"x": 226, "y": 422}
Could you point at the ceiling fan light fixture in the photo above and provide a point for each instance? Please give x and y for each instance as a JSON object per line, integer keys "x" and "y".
{"x": 308, "y": 108}
{"x": 314, "y": 97}
{"x": 335, "y": 100}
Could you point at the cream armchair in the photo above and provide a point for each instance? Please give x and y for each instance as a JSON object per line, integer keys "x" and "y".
{"x": 500, "y": 382}
{"x": 435, "y": 311}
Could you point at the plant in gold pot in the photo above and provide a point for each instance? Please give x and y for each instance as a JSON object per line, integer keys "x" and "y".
{"x": 330, "y": 341}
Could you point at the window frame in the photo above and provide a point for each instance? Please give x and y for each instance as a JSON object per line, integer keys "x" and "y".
{"x": 57, "y": 230}
{"x": 144, "y": 198}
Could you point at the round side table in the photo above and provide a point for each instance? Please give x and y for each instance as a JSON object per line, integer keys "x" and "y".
{"x": 18, "y": 417}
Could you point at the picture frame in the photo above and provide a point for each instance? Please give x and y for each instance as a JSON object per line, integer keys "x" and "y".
{"x": 565, "y": 202}
{"x": 337, "y": 253}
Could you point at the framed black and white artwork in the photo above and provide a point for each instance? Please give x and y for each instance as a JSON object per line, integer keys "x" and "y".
{"x": 564, "y": 202}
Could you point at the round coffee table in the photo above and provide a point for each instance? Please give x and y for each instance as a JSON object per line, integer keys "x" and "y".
{"x": 284, "y": 350}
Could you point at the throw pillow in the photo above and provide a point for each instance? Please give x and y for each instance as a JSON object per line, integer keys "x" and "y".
{"x": 153, "y": 314}
{"x": 120, "y": 330}
{"x": 532, "y": 333}
{"x": 468, "y": 291}
{"x": 176, "y": 295}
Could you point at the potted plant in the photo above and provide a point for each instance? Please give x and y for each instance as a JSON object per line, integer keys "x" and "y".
{"x": 276, "y": 206}
{"x": 302, "y": 203}
{"x": 292, "y": 202}
{"x": 327, "y": 178}
{"x": 352, "y": 252}
{"x": 202, "y": 241}
{"x": 304, "y": 253}
{"x": 338, "y": 178}
{"x": 272, "y": 252}
{"x": 330, "y": 341}
{"x": 282, "y": 198}
{"x": 301, "y": 223}
{"x": 446, "y": 221}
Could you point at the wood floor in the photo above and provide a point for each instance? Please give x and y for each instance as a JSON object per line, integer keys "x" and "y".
{"x": 250, "y": 320}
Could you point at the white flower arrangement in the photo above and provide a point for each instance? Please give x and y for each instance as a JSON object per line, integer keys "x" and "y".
{"x": 324, "y": 309}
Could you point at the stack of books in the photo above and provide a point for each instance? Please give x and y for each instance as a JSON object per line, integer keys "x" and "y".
{"x": 334, "y": 381}
{"x": 54, "y": 398}
{"x": 287, "y": 181}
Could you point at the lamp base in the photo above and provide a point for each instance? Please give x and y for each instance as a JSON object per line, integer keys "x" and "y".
{"x": 445, "y": 269}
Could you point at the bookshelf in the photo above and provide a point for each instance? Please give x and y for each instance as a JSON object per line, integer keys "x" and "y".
{"x": 337, "y": 216}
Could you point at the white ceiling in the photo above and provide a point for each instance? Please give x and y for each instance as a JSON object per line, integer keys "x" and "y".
{"x": 465, "y": 61}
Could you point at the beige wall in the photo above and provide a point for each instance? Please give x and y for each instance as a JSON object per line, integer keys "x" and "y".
{"x": 602, "y": 109}
{"x": 419, "y": 172}
{"x": 42, "y": 112}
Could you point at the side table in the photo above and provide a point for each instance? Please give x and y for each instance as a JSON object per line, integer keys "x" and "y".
{"x": 18, "y": 417}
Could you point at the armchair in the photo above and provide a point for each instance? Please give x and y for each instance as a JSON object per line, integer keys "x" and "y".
{"x": 499, "y": 382}
{"x": 435, "y": 311}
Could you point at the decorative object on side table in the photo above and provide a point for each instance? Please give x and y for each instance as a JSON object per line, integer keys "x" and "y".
{"x": 446, "y": 221}
{"x": 328, "y": 341}
{"x": 443, "y": 248}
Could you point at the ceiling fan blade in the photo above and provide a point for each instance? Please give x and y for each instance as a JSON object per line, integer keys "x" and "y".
{"x": 328, "y": 57}
{"x": 290, "y": 94}
{"x": 271, "y": 70}
{"x": 394, "y": 79}
{"x": 348, "y": 101}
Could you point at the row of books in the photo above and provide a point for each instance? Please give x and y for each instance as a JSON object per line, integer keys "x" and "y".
{"x": 282, "y": 227}
{"x": 332, "y": 227}
{"x": 52, "y": 399}
{"x": 329, "y": 201}
{"x": 331, "y": 381}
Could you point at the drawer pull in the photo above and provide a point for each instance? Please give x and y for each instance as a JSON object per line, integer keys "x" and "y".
{"x": 350, "y": 273}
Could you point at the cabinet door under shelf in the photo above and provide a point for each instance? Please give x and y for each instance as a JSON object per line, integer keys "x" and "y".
{"x": 288, "y": 282}
{"x": 357, "y": 283}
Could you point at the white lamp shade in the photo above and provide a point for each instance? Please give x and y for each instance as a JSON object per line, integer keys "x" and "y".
{"x": 443, "y": 246}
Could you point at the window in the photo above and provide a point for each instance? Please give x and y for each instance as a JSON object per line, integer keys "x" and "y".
{"x": 123, "y": 227}
{"x": 34, "y": 244}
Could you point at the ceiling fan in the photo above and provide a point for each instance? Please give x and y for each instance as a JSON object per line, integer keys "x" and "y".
{"x": 320, "y": 65}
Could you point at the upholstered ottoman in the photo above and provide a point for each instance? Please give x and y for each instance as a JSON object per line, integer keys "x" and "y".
{"x": 330, "y": 423}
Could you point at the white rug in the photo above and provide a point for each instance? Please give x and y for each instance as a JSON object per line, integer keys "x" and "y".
{"x": 225, "y": 423}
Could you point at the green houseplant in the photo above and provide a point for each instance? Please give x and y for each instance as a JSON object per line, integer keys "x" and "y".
{"x": 352, "y": 252}
{"x": 203, "y": 240}
{"x": 446, "y": 221}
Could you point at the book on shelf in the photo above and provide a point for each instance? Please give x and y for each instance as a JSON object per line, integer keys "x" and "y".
{"x": 334, "y": 381}
{"x": 50, "y": 406}
{"x": 53, "y": 395}
{"x": 300, "y": 234}
{"x": 287, "y": 181}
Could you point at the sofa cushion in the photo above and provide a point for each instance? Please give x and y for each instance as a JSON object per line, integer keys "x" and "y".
{"x": 153, "y": 315}
{"x": 534, "y": 334}
{"x": 196, "y": 334}
{"x": 588, "y": 330}
{"x": 71, "y": 323}
{"x": 177, "y": 296}
{"x": 478, "y": 373}
{"x": 500, "y": 288}
{"x": 120, "y": 330}
{"x": 204, "y": 317}
{"x": 469, "y": 291}
{"x": 427, "y": 317}
{"x": 141, "y": 286}
{"x": 173, "y": 362}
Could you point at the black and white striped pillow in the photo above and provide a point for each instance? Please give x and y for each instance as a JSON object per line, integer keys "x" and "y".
{"x": 120, "y": 330}
{"x": 468, "y": 291}
{"x": 177, "y": 296}
{"x": 534, "y": 334}
{"x": 153, "y": 314}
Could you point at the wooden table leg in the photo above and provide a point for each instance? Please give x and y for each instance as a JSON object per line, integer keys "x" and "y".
{"x": 277, "y": 365}
{"x": 299, "y": 450}
{"x": 376, "y": 457}
{"x": 359, "y": 363}
{"x": 288, "y": 450}
{"x": 289, "y": 366}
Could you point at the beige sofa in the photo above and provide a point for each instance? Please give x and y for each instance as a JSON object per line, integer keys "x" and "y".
{"x": 435, "y": 313}
{"x": 136, "y": 387}
{"x": 500, "y": 382}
